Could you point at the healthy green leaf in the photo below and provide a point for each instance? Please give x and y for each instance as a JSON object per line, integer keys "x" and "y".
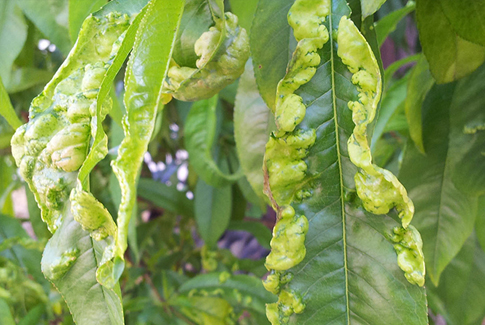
{"x": 245, "y": 11}
{"x": 420, "y": 82}
{"x": 387, "y": 24}
{"x": 165, "y": 197}
{"x": 212, "y": 211}
{"x": 13, "y": 33}
{"x": 200, "y": 135}
{"x": 459, "y": 296}
{"x": 369, "y": 7}
{"x": 52, "y": 19}
{"x": 78, "y": 11}
{"x": 466, "y": 18}
{"x": 270, "y": 46}
{"x": 251, "y": 116}
{"x": 6, "y": 108}
{"x": 146, "y": 70}
{"x": 349, "y": 273}
{"x": 6, "y": 317}
{"x": 450, "y": 56}
{"x": 446, "y": 182}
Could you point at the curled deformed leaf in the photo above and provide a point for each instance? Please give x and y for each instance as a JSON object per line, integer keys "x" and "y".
{"x": 379, "y": 189}
{"x": 222, "y": 54}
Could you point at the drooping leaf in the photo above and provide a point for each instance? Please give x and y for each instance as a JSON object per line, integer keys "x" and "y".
{"x": 251, "y": 116}
{"x": 52, "y": 18}
{"x": 459, "y": 296}
{"x": 387, "y": 24}
{"x": 270, "y": 46}
{"x": 420, "y": 82}
{"x": 13, "y": 33}
{"x": 146, "y": 70}
{"x": 445, "y": 184}
{"x": 165, "y": 197}
{"x": 212, "y": 211}
{"x": 369, "y": 7}
{"x": 200, "y": 135}
{"x": 78, "y": 11}
{"x": 450, "y": 56}
{"x": 349, "y": 273}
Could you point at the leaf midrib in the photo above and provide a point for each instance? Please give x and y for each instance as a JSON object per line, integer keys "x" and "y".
{"x": 334, "y": 103}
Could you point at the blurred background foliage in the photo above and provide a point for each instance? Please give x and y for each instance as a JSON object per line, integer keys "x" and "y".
{"x": 188, "y": 236}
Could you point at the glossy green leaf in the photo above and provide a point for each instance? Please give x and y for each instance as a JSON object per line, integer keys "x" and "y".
{"x": 459, "y": 297}
{"x": 212, "y": 211}
{"x": 13, "y": 33}
{"x": 240, "y": 290}
{"x": 349, "y": 274}
{"x": 251, "y": 116}
{"x": 466, "y": 18}
{"x": 387, "y": 24}
{"x": 369, "y": 7}
{"x": 244, "y": 10}
{"x": 146, "y": 70}
{"x": 270, "y": 46}
{"x": 52, "y": 18}
{"x": 165, "y": 197}
{"x": 446, "y": 183}
{"x": 200, "y": 135}
{"x": 78, "y": 11}
{"x": 450, "y": 56}
{"x": 6, "y": 108}
{"x": 420, "y": 82}
{"x": 6, "y": 317}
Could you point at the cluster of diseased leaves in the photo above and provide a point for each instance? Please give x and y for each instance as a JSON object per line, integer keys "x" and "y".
{"x": 301, "y": 130}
